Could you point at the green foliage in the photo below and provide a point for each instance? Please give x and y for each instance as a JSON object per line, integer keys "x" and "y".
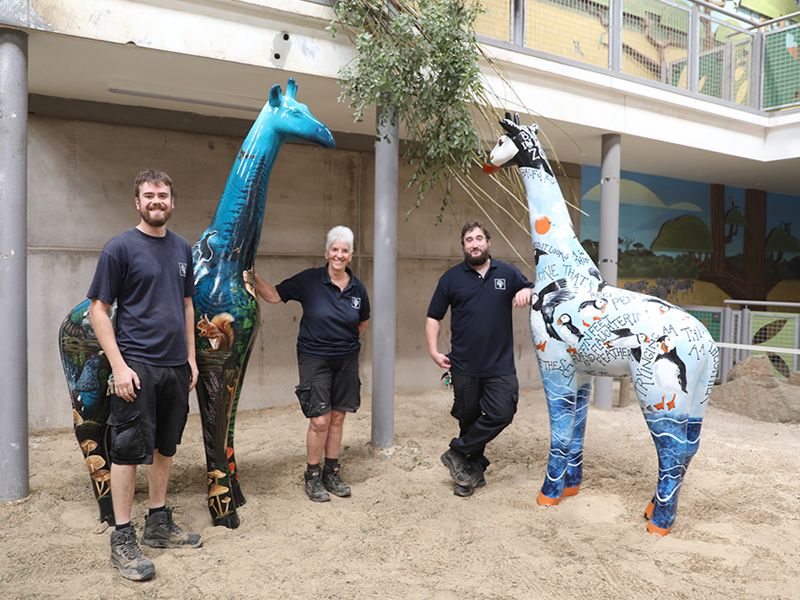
{"x": 419, "y": 59}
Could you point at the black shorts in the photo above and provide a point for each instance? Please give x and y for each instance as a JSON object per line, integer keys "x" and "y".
{"x": 155, "y": 419}
{"x": 328, "y": 384}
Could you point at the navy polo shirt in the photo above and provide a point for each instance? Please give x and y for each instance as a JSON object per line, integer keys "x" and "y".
{"x": 482, "y": 334}
{"x": 329, "y": 327}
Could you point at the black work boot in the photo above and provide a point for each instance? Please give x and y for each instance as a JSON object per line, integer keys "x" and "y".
{"x": 458, "y": 466}
{"x": 314, "y": 487}
{"x": 333, "y": 481}
{"x": 476, "y": 469}
{"x": 160, "y": 531}
{"x": 128, "y": 558}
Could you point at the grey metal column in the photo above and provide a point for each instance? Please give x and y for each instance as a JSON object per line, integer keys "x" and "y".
{"x": 693, "y": 70}
{"x": 13, "y": 263}
{"x": 384, "y": 280}
{"x": 615, "y": 35}
{"x": 609, "y": 234}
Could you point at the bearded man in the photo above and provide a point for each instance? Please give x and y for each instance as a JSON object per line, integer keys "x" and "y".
{"x": 480, "y": 293}
{"x": 147, "y": 270}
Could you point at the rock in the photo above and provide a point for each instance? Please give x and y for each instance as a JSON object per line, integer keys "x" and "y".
{"x": 755, "y": 366}
{"x": 794, "y": 378}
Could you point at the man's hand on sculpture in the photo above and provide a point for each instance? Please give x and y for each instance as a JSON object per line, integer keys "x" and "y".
{"x": 523, "y": 298}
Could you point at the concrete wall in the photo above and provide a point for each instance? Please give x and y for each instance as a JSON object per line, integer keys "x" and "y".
{"x": 80, "y": 194}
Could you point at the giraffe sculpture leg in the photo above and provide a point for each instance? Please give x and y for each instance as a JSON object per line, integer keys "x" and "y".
{"x": 230, "y": 453}
{"x": 567, "y": 400}
{"x": 676, "y": 435}
{"x": 574, "y": 475}
{"x": 87, "y": 370}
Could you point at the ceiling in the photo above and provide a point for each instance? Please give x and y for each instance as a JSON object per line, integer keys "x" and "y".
{"x": 74, "y": 68}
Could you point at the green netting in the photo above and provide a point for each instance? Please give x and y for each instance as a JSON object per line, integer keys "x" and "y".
{"x": 778, "y": 330}
{"x": 781, "y": 68}
{"x": 712, "y": 319}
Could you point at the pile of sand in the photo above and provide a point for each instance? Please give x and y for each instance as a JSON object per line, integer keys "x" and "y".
{"x": 754, "y": 390}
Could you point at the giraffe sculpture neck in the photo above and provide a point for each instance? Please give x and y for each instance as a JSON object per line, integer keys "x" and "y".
{"x": 557, "y": 251}
{"x": 235, "y": 230}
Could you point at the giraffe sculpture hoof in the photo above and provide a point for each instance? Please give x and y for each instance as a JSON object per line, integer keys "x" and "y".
{"x": 648, "y": 511}
{"x": 543, "y": 500}
{"x": 571, "y": 491}
{"x": 658, "y": 530}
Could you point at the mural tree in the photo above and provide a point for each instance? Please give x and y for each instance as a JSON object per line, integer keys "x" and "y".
{"x": 686, "y": 234}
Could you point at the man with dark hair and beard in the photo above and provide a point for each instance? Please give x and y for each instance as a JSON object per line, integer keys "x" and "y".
{"x": 147, "y": 270}
{"x": 480, "y": 293}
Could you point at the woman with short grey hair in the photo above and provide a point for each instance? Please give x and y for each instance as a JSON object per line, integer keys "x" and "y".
{"x": 335, "y": 314}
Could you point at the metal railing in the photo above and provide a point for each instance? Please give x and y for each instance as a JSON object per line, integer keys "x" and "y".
{"x": 688, "y": 45}
{"x": 741, "y": 333}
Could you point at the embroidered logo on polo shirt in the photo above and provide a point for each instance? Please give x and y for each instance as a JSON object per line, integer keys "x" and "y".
{"x": 499, "y": 284}
{"x": 355, "y": 302}
{"x": 182, "y": 268}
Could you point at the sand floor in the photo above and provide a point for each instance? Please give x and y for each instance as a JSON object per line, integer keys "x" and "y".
{"x": 403, "y": 534}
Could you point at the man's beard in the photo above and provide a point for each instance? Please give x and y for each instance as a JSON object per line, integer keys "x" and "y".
{"x": 476, "y": 261}
{"x": 156, "y": 221}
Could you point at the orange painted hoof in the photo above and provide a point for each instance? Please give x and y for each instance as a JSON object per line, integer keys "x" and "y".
{"x": 543, "y": 500}
{"x": 648, "y": 512}
{"x": 658, "y": 530}
{"x": 572, "y": 491}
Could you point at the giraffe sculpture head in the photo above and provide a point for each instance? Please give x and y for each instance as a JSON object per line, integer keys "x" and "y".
{"x": 292, "y": 120}
{"x": 520, "y": 146}
{"x": 234, "y": 232}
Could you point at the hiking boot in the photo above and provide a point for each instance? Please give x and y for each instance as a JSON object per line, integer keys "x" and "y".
{"x": 333, "y": 482}
{"x": 465, "y": 491}
{"x": 160, "y": 531}
{"x": 459, "y": 469}
{"x": 128, "y": 558}
{"x": 315, "y": 488}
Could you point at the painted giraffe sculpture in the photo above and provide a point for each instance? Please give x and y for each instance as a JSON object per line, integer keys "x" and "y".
{"x": 581, "y": 326}
{"x": 226, "y": 314}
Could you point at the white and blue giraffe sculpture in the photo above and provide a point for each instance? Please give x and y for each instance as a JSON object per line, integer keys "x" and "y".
{"x": 582, "y": 327}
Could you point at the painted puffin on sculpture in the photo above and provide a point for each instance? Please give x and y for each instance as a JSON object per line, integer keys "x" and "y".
{"x": 226, "y": 314}
{"x": 606, "y": 331}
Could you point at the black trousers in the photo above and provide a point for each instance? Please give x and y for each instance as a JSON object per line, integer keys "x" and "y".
{"x": 484, "y": 406}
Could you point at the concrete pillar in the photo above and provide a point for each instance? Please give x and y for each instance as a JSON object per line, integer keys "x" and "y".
{"x": 609, "y": 235}
{"x": 13, "y": 264}
{"x": 384, "y": 280}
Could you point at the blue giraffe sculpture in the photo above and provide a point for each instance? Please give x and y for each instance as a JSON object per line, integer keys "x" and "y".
{"x": 225, "y": 305}
{"x": 226, "y": 314}
{"x": 581, "y": 327}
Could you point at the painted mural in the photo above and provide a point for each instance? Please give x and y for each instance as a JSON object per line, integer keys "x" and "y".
{"x": 698, "y": 244}
{"x": 581, "y": 327}
{"x": 668, "y": 238}
{"x": 664, "y": 233}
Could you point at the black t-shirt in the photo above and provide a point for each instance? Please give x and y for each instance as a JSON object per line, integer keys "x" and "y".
{"x": 482, "y": 333}
{"x": 149, "y": 277}
{"x": 329, "y": 327}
